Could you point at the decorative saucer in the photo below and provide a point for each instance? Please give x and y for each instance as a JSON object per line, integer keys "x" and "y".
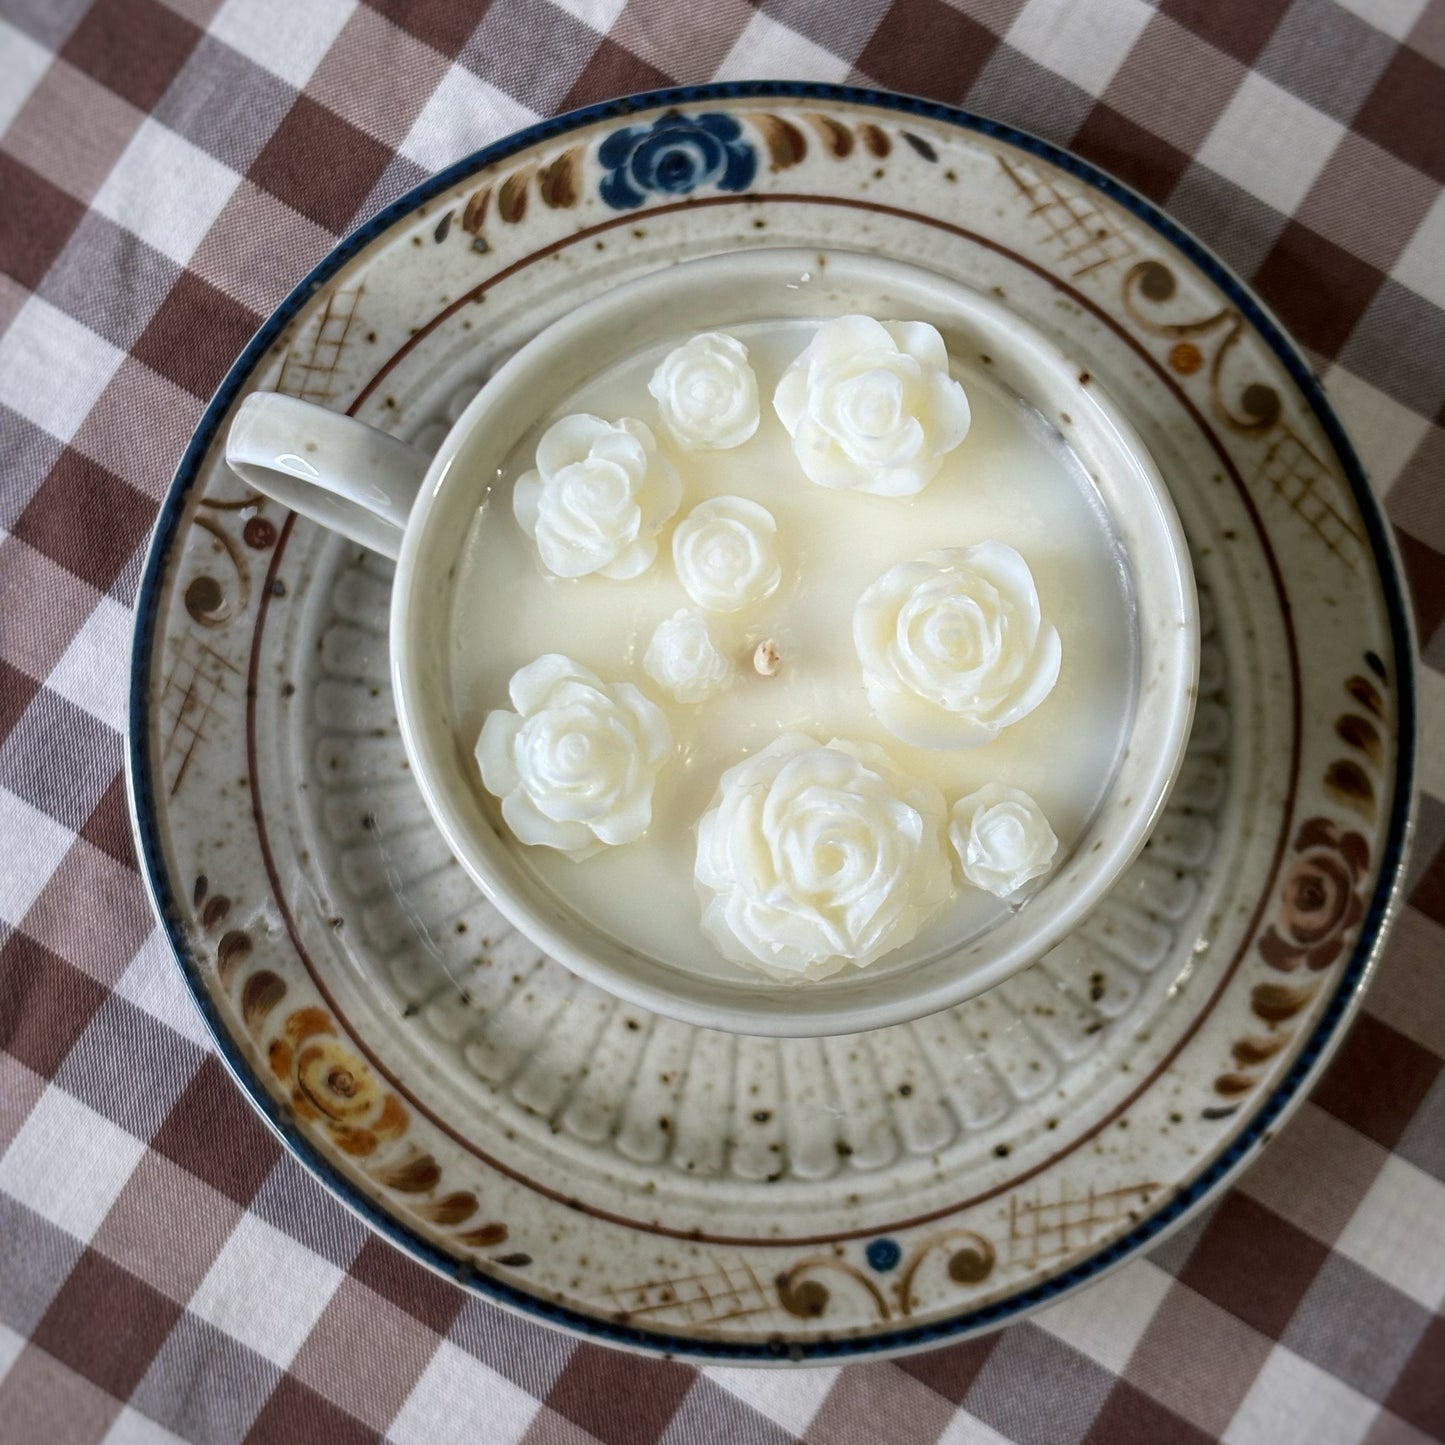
{"x": 687, "y": 1191}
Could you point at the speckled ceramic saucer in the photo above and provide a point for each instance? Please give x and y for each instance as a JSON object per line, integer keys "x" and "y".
{"x": 684, "y": 1190}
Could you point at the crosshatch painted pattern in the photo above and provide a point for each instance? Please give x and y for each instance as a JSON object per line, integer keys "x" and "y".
{"x": 170, "y": 170}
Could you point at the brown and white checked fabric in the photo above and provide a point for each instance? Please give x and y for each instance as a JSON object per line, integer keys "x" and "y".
{"x": 167, "y": 172}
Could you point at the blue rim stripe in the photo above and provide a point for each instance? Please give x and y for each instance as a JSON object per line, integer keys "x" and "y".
{"x": 1342, "y": 1003}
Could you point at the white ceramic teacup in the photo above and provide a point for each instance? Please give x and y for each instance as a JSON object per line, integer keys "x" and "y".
{"x": 388, "y": 496}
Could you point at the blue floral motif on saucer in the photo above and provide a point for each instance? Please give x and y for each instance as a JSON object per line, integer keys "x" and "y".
{"x": 674, "y": 155}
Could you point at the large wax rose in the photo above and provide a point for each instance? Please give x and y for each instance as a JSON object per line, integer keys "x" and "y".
{"x": 598, "y": 497}
{"x": 871, "y": 407}
{"x": 812, "y": 857}
{"x": 953, "y": 646}
{"x": 576, "y": 763}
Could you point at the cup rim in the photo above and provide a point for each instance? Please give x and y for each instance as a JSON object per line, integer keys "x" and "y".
{"x": 564, "y": 934}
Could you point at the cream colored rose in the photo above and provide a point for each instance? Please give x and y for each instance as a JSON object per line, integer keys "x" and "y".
{"x": 576, "y": 764}
{"x": 600, "y": 494}
{"x": 870, "y": 406}
{"x": 707, "y": 393}
{"x": 726, "y": 554}
{"x": 1002, "y": 838}
{"x": 953, "y": 646}
{"x": 683, "y": 658}
{"x": 810, "y": 858}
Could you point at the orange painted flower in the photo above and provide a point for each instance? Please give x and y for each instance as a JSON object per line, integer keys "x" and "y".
{"x": 330, "y": 1084}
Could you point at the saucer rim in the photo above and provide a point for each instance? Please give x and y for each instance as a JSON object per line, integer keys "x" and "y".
{"x": 1270, "y": 1112}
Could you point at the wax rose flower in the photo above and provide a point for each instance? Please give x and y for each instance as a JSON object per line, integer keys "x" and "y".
{"x": 1321, "y": 902}
{"x": 707, "y": 393}
{"x": 870, "y": 406}
{"x": 683, "y": 658}
{"x": 576, "y": 764}
{"x": 599, "y": 495}
{"x": 1002, "y": 838}
{"x": 812, "y": 857}
{"x": 726, "y": 555}
{"x": 953, "y": 646}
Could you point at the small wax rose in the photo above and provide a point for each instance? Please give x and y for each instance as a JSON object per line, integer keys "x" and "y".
{"x": 683, "y": 658}
{"x": 726, "y": 554}
{"x": 1002, "y": 839}
{"x": 597, "y": 498}
{"x": 706, "y": 393}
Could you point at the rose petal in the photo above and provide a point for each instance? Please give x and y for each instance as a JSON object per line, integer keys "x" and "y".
{"x": 900, "y": 466}
{"x": 632, "y": 561}
{"x": 1003, "y": 566}
{"x": 920, "y": 341}
{"x": 494, "y": 751}
{"x": 569, "y": 440}
{"x": 925, "y": 725}
{"x": 532, "y": 827}
{"x": 820, "y": 460}
{"x": 1038, "y": 680}
{"x": 844, "y": 338}
{"x": 527, "y": 501}
{"x": 623, "y": 448}
{"x": 628, "y": 820}
{"x": 652, "y": 729}
{"x": 747, "y": 862}
{"x": 720, "y": 931}
{"x": 904, "y": 481}
{"x": 566, "y": 557}
{"x": 790, "y": 399}
{"x": 641, "y": 431}
{"x": 532, "y": 685}
{"x": 949, "y": 411}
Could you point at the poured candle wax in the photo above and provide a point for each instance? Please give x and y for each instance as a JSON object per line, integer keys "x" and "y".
{"x": 1012, "y": 480}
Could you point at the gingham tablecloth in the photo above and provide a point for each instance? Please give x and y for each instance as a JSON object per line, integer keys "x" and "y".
{"x": 167, "y": 172}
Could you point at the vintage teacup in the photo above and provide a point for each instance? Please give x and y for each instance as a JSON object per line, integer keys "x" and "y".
{"x": 426, "y": 511}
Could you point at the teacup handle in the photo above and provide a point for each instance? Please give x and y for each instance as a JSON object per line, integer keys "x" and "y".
{"x": 337, "y": 471}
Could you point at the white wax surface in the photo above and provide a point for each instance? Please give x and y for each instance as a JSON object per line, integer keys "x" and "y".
{"x": 1011, "y": 480}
